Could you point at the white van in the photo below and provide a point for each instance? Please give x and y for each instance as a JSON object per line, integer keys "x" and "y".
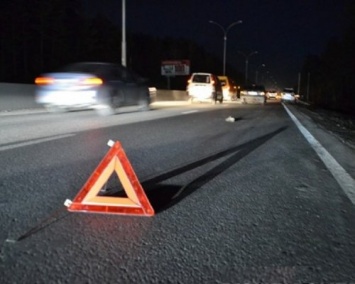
{"x": 204, "y": 87}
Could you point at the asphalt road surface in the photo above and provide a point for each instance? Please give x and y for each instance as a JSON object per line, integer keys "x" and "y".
{"x": 254, "y": 200}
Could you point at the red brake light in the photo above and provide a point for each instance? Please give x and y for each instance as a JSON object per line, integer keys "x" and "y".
{"x": 44, "y": 81}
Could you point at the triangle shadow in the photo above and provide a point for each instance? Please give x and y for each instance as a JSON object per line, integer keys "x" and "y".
{"x": 165, "y": 196}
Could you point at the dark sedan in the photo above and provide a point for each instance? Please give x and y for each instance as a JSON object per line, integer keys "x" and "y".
{"x": 92, "y": 85}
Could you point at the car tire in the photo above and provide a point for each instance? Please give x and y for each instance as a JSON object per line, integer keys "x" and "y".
{"x": 106, "y": 110}
{"x": 108, "y": 106}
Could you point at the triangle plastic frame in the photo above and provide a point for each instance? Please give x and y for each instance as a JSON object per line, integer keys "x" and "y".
{"x": 136, "y": 202}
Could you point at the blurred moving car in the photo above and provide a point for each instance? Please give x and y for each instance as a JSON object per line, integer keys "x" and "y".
{"x": 271, "y": 94}
{"x": 92, "y": 85}
{"x": 229, "y": 88}
{"x": 253, "y": 94}
{"x": 204, "y": 87}
{"x": 288, "y": 95}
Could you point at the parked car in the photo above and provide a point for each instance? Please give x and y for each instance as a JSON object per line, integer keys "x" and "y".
{"x": 253, "y": 94}
{"x": 92, "y": 85}
{"x": 288, "y": 95}
{"x": 229, "y": 88}
{"x": 204, "y": 87}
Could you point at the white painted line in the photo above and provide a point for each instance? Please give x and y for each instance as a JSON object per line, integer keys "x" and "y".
{"x": 346, "y": 182}
{"x": 23, "y": 112}
{"x": 189, "y": 111}
{"x": 170, "y": 103}
{"x": 37, "y": 141}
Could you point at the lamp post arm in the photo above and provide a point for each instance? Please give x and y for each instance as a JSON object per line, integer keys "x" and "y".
{"x": 221, "y": 27}
{"x": 252, "y": 53}
{"x": 225, "y": 31}
{"x": 233, "y": 24}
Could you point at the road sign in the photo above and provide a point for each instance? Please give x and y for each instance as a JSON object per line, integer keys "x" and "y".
{"x": 175, "y": 67}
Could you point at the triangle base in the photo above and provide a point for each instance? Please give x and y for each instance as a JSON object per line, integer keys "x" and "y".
{"x": 78, "y": 207}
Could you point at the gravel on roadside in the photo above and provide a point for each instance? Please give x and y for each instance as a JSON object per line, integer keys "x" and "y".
{"x": 340, "y": 125}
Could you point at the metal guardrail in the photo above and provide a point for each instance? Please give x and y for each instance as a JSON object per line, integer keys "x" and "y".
{"x": 17, "y": 97}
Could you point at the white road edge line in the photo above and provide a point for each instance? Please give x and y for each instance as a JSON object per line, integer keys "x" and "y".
{"x": 189, "y": 111}
{"x": 346, "y": 182}
{"x": 33, "y": 142}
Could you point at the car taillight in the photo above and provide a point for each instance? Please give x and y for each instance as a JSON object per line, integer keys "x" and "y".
{"x": 213, "y": 82}
{"x": 91, "y": 81}
{"x": 44, "y": 81}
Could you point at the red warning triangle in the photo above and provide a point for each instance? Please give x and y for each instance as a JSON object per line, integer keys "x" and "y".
{"x": 136, "y": 202}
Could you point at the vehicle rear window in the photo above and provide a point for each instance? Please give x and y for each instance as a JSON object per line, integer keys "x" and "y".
{"x": 201, "y": 79}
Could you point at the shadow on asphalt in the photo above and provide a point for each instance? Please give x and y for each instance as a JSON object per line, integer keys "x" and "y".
{"x": 163, "y": 196}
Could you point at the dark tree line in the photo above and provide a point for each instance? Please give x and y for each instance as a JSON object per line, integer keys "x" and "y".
{"x": 40, "y": 35}
{"x": 328, "y": 80}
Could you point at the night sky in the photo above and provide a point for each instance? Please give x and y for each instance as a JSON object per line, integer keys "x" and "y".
{"x": 283, "y": 32}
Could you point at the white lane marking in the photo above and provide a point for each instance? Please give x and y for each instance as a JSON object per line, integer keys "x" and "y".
{"x": 189, "y": 111}
{"x": 22, "y": 112}
{"x": 346, "y": 182}
{"x": 36, "y": 141}
{"x": 170, "y": 103}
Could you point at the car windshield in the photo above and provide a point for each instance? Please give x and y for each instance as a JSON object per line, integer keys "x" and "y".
{"x": 288, "y": 90}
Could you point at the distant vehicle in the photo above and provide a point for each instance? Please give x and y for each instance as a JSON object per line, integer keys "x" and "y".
{"x": 271, "y": 94}
{"x": 253, "y": 94}
{"x": 92, "y": 85}
{"x": 204, "y": 87}
{"x": 288, "y": 95}
{"x": 229, "y": 88}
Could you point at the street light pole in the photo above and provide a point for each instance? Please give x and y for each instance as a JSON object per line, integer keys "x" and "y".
{"x": 225, "y": 31}
{"x": 247, "y": 62}
{"x": 123, "y": 46}
{"x": 256, "y": 73}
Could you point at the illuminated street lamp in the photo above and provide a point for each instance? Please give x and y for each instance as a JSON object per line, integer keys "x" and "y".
{"x": 247, "y": 62}
{"x": 225, "y": 31}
